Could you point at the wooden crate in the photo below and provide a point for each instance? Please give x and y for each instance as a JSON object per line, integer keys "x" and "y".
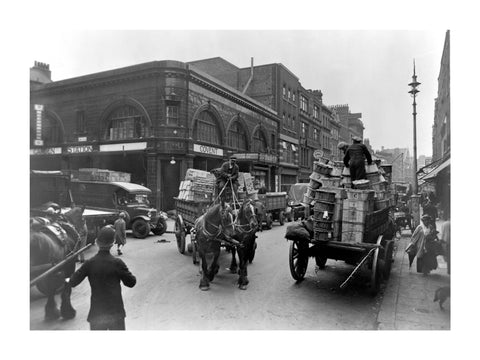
{"x": 321, "y": 206}
{"x": 340, "y": 193}
{"x": 331, "y": 182}
{"x": 365, "y": 205}
{"x": 320, "y": 215}
{"x": 353, "y": 194}
{"x": 322, "y": 235}
{"x": 322, "y": 195}
{"x": 352, "y": 232}
{"x": 354, "y": 215}
{"x": 323, "y": 225}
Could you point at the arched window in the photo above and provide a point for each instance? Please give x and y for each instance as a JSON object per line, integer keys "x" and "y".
{"x": 126, "y": 122}
{"x": 206, "y": 129}
{"x": 237, "y": 137}
{"x": 259, "y": 142}
{"x": 51, "y": 131}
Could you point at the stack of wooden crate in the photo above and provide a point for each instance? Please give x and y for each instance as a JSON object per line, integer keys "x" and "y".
{"x": 198, "y": 185}
{"x": 94, "y": 174}
{"x": 323, "y": 212}
{"x": 357, "y": 205}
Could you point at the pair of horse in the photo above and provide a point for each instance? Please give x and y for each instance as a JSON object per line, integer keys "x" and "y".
{"x": 219, "y": 224}
{"x": 51, "y": 241}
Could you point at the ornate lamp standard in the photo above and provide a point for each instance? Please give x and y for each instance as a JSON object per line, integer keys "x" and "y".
{"x": 415, "y": 197}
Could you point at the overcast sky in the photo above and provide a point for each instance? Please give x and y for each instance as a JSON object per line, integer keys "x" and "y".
{"x": 368, "y": 70}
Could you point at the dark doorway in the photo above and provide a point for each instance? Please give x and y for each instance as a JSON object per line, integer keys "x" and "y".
{"x": 170, "y": 174}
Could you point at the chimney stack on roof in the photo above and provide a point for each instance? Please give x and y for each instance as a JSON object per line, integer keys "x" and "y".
{"x": 40, "y": 73}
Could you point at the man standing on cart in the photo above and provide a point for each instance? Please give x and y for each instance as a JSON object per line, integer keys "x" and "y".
{"x": 228, "y": 175}
{"x": 354, "y": 159}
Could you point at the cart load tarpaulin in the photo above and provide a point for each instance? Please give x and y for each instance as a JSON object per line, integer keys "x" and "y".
{"x": 296, "y": 192}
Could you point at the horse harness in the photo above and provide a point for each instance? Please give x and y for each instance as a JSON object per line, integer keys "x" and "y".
{"x": 58, "y": 230}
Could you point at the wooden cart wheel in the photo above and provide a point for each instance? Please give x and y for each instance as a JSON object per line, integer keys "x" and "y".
{"x": 375, "y": 276}
{"x": 298, "y": 259}
{"x": 388, "y": 259}
{"x": 180, "y": 234}
{"x": 281, "y": 217}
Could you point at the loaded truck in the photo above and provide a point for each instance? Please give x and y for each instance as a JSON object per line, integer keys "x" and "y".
{"x": 119, "y": 196}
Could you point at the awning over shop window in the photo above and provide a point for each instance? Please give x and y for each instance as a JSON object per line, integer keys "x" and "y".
{"x": 432, "y": 174}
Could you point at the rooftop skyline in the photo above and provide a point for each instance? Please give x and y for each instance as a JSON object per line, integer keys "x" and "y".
{"x": 368, "y": 70}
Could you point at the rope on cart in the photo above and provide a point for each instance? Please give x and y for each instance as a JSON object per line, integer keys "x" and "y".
{"x": 357, "y": 267}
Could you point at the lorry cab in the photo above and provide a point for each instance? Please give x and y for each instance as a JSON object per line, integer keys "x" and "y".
{"x": 130, "y": 198}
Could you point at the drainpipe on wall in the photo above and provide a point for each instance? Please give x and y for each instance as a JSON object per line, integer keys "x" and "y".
{"x": 250, "y": 78}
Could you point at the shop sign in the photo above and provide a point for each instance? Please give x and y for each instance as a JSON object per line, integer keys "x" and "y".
{"x": 174, "y": 145}
{"x": 39, "y": 114}
{"x": 209, "y": 150}
{"x": 46, "y": 151}
{"x": 79, "y": 149}
{"x": 123, "y": 147}
{"x": 268, "y": 158}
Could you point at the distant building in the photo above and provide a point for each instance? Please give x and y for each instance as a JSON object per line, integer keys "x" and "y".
{"x": 153, "y": 120}
{"x": 441, "y": 124}
{"x": 438, "y": 174}
{"x": 401, "y": 162}
{"x": 350, "y": 123}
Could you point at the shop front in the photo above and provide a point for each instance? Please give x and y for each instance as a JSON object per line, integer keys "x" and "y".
{"x": 261, "y": 166}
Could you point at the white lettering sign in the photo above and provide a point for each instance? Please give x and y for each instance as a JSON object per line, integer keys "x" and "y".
{"x": 39, "y": 110}
{"x": 46, "y": 151}
{"x": 79, "y": 149}
{"x": 204, "y": 149}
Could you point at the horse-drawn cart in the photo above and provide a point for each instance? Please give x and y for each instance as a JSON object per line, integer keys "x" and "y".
{"x": 348, "y": 225}
{"x": 374, "y": 251}
{"x": 187, "y": 212}
{"x": 273, "y": 208}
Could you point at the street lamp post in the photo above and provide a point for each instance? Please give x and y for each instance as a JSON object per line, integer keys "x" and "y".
{"x": 415, "y": 197}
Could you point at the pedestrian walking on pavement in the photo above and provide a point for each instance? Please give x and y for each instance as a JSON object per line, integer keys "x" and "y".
{"x": 105, "y": 272}
{"x": 120, "y": 232}
{"x": 355, "y": 157}
{"x": 424, "y": 246}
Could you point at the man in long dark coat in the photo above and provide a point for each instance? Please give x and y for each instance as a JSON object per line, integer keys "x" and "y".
{"x": 105, "y": 272}
{"x": 355, "y": 157}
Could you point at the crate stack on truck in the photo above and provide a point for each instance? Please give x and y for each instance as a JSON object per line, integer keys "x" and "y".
{"x": 104, "y": 175}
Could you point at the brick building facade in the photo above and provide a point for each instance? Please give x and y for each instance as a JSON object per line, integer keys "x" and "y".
{"x": 153, "y": 120}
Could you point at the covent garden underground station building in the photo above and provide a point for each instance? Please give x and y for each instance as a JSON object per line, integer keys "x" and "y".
{"x": 152, "y": 120}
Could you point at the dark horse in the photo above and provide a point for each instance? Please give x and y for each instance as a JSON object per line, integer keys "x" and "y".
{"x": 211, "y": 228}
{"x": 51, "y": 241}
{"x": 246, "y": 225}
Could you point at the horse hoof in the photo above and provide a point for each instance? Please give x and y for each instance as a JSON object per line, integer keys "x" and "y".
{"x": 52, "y": 315}
{"x": 70, "y": 314}
{"x": 242, "y": 287}
{"x": 204, "y": 288}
